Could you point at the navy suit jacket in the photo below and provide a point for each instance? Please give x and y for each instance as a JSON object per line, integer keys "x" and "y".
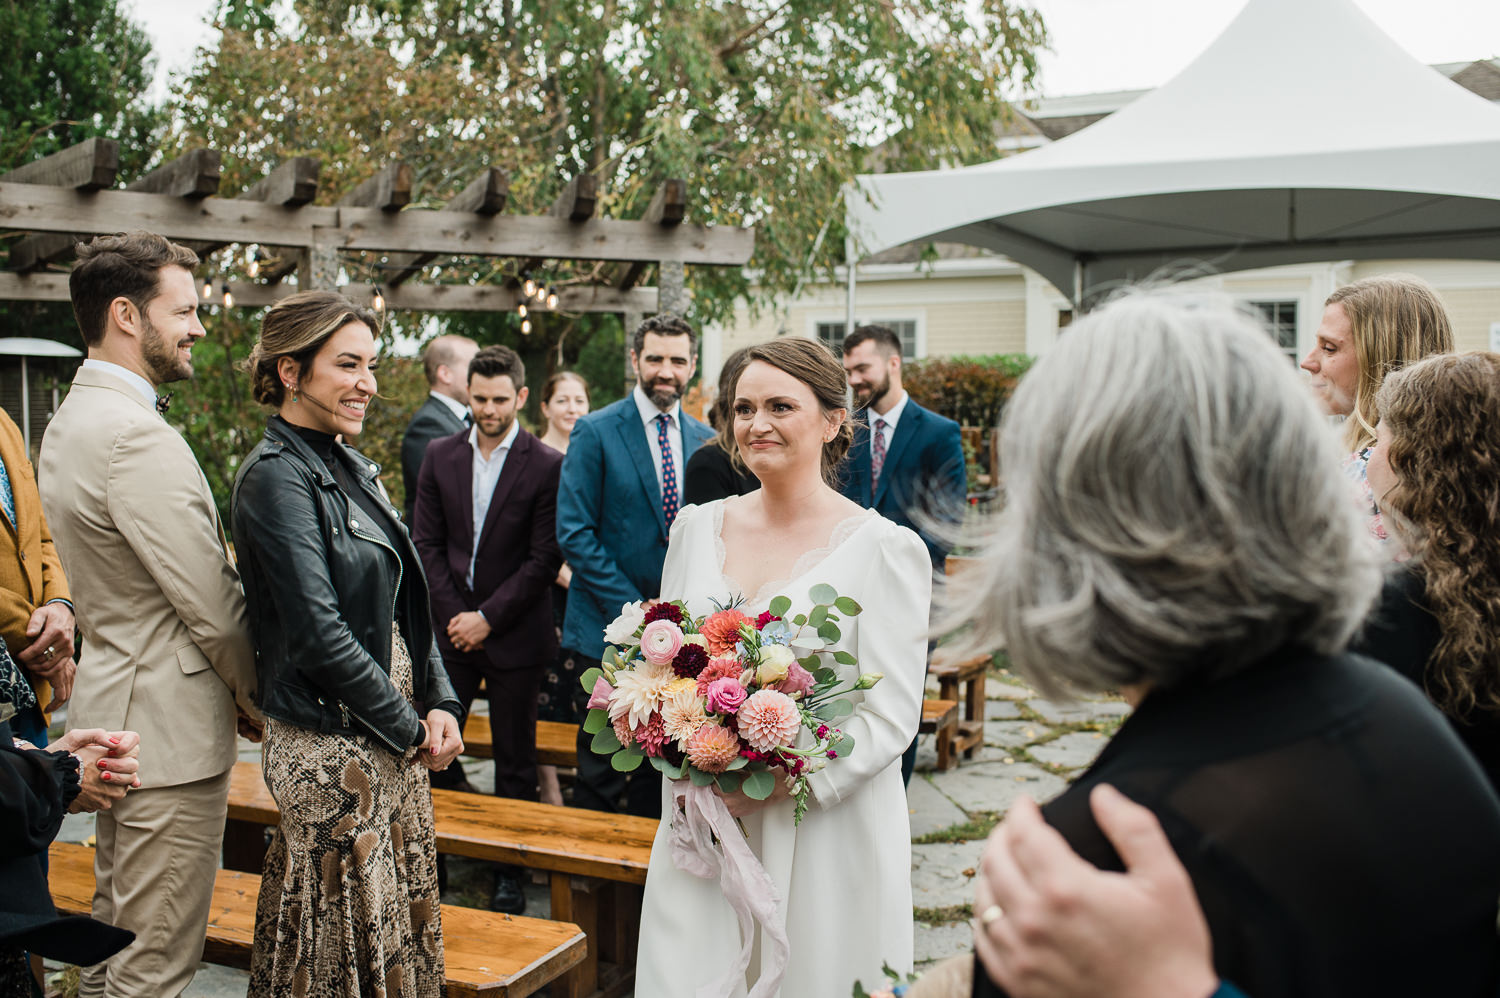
{"x": 924, "y": 471}
{"x": 518, "y": 557}
{"x": 609, "y": 520}
{"x": 431, "y": 421}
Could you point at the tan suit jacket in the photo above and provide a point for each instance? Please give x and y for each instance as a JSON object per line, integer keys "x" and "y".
{"x": 159, "y": 603}
{"x": 30, "y": 573}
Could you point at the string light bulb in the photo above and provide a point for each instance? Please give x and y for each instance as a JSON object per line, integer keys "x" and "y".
{"x": 521, "y": 310}
{"x": 529, "y": 286}
{"x": 208, "y": 289}
{"x": 253, "y": 269}
{"x": 525, "y": 327}
{"x": 378, "y": 302}
{"x": 552, "y": 298}
{"x": 228, "y": 296}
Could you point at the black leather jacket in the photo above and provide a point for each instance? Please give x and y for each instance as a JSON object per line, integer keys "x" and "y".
{"x": 321, "y": 589}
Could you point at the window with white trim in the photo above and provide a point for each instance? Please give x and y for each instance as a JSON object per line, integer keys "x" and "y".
{"x": 1281, "y": 319}
{"x": 832, "y": 333}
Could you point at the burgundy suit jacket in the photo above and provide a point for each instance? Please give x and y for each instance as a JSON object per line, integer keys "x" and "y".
{"x": 518, "y": 555}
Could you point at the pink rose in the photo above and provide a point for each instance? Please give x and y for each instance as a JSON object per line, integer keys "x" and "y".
{"x": 725, "y": 696}
{"x": 769, "y": 720}
{"x": 661, "y": 641}
{"x": 601, "y": 693}
{"x": 798, "y": 680}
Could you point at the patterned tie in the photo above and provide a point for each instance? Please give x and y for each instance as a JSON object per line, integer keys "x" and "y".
{"x": 877, "y": 458}
{"x": 7, "y": 497}
{"x": 668, "y": 471}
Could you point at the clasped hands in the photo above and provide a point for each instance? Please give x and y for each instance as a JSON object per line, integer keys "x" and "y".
{"x": 50, "y": 654}
{"x": 108, "y": 762}
{"x": 441, "y": 740}
{"x": 468, "y": 630}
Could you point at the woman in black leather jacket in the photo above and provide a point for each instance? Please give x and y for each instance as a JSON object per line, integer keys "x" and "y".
{"x": 354, "y": 692}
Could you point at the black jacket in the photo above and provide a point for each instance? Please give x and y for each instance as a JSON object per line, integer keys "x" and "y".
{"x": 322, "y": 588}
{"x": 432, "y": 420}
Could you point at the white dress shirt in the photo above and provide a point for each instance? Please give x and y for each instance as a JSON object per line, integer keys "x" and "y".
{"x": 486, "y": 475}
{"x": 649, "y": 412}
{"x": 140, "y": 384}
{"x": 457, "y": 408}
{"x": 891, "y": 418}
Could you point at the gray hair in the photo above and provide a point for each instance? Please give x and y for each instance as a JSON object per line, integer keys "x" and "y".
{"x": 1174, "y": 508}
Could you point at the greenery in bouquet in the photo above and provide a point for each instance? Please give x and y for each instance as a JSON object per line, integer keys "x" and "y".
{"x": 726, "y": 698}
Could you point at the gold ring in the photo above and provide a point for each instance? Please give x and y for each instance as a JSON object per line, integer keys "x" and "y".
{"x": 49, "y": 652}
{"x": 990, "y": 914}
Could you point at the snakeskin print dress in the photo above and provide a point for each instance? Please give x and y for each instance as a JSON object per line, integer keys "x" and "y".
{"x": 349, "y": 903}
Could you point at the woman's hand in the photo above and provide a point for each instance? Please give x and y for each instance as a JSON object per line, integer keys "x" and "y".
{"x": 108, "y": 763}
{"x": 565, "y": 575}
{"x": 444, "y": 741}
{"x": 741, "y": 805}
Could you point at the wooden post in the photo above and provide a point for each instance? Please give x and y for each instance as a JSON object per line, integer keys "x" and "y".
{"x": 668, "y": 208}
{"x": 671, "y": 287}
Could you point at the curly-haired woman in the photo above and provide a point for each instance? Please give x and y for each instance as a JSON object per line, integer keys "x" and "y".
{"x": 1433, "y": 471}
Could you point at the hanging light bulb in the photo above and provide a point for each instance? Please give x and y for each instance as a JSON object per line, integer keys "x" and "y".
{"x": 540, "y": 297}
{"x": 552, "y": 298}
{"x": 529, "y": 286}
{"x": 228, "y": 296}
{"x": 253, "y": 269}
{"x": 378, "y": 302}
{"x": 521, "y": 310}
{"x": 526, "y": 327}
{"x": 208, "y": 289}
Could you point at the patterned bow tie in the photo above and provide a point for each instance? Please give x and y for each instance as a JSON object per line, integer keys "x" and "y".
{"x": 163, "y": 403}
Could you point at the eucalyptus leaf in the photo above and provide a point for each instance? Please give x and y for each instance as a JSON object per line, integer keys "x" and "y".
{"x": 759, "y": 784}
{"x": 605, "y": 741}
{"x": 830, "y": 632}
{"x": 800, "y": 619}
{"x": 779, "y": 606}
{"x": 841, "y": 708}
{"x": 845, "y": 744}
{"x": 596, "y": 722}
{"x": 809, "y": 663}
{"x": 589, "y": 678}
{"x": 826, "y": 675}
{"x": 699, "y": 777}
{"x": 628, "y": 760}
{"x": 848, "y": 605}
{"x": 730, "y": 781}
{"x": 818, "y": 615}
{"x": 845, "y": 658}
{"x": 740, "y": 762}
{"x": 823, "y": 593}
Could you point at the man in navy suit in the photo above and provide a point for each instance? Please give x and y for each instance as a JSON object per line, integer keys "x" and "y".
{"x": 486, "y": 530}
{"x": 906, "y": 462}
{"x": 621, "y": 488}
{"x": 443, "y": 413}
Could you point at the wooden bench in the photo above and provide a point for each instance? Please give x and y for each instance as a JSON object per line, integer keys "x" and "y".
{"x": 964, "y": 681}
{"x": 485, "y": 954}
{"x": 597, "y": 861}
{"x": 556, "y": 743}
{"x": 941, "y": 717}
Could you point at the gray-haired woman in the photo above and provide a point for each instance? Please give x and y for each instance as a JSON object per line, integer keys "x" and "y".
{"x": 1177, "y": 529}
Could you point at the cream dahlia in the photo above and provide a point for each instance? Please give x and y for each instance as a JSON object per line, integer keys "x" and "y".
{"x": 769, "y": 720}
{"x": 682, "y": 711}
{"x": 639, "y": 691}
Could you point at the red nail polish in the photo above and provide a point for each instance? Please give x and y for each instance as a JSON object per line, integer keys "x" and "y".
{"x": 104, "y": 776}
{"x": 113, "y": 740}
{"x": 100, "y": 763}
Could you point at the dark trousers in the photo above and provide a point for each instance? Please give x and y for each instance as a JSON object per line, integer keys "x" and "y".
{"x": 513, "y": 695}
{"x": 600, "y": 787}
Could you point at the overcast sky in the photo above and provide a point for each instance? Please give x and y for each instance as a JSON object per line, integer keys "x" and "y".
{"x": 1097, "y": 44}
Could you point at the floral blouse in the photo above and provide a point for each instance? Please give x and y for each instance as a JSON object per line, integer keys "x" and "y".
{"x": 1356, "y": 466}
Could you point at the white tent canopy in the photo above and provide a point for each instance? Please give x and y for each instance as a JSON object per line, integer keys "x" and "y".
{"x": 1302, "y": 133}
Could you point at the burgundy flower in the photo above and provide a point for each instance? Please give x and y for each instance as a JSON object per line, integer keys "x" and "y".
{"x": 690, "y": 661}
{"x": 764, "y": 619}
{"x": 664, "y": 611}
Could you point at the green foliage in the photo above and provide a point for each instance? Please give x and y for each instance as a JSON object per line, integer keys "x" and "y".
{"x": 970, "y": 390}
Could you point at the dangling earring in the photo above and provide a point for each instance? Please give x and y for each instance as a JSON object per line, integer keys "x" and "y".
{"x": 293, "y": 390}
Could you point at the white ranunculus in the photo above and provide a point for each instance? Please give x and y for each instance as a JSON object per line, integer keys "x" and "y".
{"x": 622, "y": 630}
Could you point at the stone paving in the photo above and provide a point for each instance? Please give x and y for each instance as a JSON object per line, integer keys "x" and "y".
{"x": 1032, "y": 747}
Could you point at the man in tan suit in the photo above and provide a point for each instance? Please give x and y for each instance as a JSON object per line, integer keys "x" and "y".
{"x": 36, "y": 612}
{"x": 159, "y": 605}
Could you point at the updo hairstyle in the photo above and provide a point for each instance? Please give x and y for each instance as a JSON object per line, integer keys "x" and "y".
{"x": 813, "y": 364}
{"x": 297, "y": 327}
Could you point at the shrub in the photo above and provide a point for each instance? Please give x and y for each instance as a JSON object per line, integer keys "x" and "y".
{"x": 969, "y": 390}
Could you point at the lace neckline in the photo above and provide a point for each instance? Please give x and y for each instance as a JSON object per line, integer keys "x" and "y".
{"x": 809, "y": 560}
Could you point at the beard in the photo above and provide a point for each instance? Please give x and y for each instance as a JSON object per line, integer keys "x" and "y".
{"x": 160, "y": 358}
{"x": 499, "y": 434}
{"x": 871, "y": 394}
{"x": 664, "y": 395}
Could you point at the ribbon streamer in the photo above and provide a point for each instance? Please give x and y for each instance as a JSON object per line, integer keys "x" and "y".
{"x": 707, "y": 843}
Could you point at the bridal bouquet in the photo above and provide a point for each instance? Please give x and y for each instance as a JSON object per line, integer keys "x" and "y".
{"x": 726, "y": 699}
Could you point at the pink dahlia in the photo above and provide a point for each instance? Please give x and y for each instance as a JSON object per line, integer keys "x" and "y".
{"x": 622, "y": 729}
{"x": 725, "y": 695}
{"x": 769, "y": 720}
{"x": 722, "y": 631}
{"x": 652, "y": 737}
{"x": 712, "y": 748}
{"x": 719, "y": 668}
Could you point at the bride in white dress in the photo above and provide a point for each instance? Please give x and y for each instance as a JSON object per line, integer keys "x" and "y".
{"x": 844, "y": 873}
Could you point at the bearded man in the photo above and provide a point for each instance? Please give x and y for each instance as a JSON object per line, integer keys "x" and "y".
{"x": 620, "y": 492}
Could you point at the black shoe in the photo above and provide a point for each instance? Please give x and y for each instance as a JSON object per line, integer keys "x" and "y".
{"x": 509, "y": 898}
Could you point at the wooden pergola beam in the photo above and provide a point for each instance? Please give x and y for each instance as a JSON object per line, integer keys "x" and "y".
{"x": 87, "y": 166}
{"x": 407, "y": 297}
{"x": 48, "y": 209}
{"x": 576, "y": 203}
{"x": 293, "y": 183}
{"x": 485, "y": 195}
{"x": 668, "y": 208}
{"x": 193, "y": 175}
{"x": 388, "y": 190}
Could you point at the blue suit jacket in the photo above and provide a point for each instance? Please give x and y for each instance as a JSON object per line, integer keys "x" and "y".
{"x": 609, "y": 520}
{"x": 924, "y": 470}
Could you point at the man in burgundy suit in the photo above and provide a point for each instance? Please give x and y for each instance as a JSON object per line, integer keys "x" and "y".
{"x": 485, "y": 526}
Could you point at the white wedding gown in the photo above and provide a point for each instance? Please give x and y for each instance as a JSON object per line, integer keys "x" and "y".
{"x": 845, "y": 872}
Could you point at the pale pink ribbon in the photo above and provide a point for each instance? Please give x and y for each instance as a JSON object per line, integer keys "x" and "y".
{"x": 699, "y": 818}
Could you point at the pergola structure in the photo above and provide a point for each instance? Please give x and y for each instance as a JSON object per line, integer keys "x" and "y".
{"x": 71, "y": 194}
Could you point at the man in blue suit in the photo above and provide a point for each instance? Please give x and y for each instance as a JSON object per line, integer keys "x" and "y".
{"x": 906, "y": 462}
{"x": 620, "y": 491}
